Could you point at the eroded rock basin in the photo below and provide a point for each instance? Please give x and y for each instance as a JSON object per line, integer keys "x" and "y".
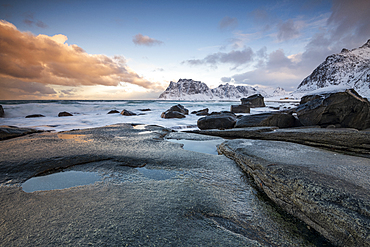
{"x": 152, "y": 193}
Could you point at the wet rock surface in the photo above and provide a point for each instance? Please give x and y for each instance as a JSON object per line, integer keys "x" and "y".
{"x": 176, "y": 111}
{"x": 34, "y": 115}
{"x": 327, "y": 190}
{"x": 8, "y": 132}
{"x": 240, "y": 109}
{"x": 125, "y": 112}
{"x": 64, "y": 114}
{"x": 203, "y": 200}
{"x": 113, "y": 112}
{"x": 349, "y": 141}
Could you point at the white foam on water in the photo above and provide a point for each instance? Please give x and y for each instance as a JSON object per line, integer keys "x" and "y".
{"x": 91, "y": 114}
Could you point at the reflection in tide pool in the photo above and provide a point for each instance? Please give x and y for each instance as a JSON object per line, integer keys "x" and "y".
{"x": 60, "y": 180}
{"x": 208, "y": 146}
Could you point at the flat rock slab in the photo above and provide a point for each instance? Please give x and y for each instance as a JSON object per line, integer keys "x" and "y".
{"x": 349, "y": 141}
{"x": 327, "y": 190}
{"x": 152, "y": 193}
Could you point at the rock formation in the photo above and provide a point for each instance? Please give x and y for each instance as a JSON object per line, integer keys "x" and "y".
{"x": 125, "y": 112}
{"x": 255, "y": 100}
{"x": 281, "y": 120}
{"x": 1, "y": 111}
{"x": 217, "y": 120}
{"x": 64, "y": 114}
{"x": 345, "y": 108}
{"x": 176, "y": 111}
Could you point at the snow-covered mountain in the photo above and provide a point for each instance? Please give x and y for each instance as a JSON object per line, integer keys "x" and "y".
{"x": 279, "y": 92}
{"x": 349, "y": 68}
{"x": 188, "y": 89}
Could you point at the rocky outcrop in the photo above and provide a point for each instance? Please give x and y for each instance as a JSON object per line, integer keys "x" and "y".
{"x": 34, "y": 115}
{"x": 279, "y": 119}
{"x": 176, "y": 111}
{"x": 8, "y": 132}
{"x": 203, "y": 112}
{"x": 172, "y": 114}
{"x": 350, "y": 68}
{"x": 240, "y": 109}
{"x": 217, "y": 120}
{"x": 345, "y": 108}
{"x": 1, "y": 111}
{"x": 64, "y": 114}
{"x": 348, "y": 141}
{"x": 329, "y": 191}
{"x": 113, "y": 112}
{"x": 125, "y": 112}
{"x": 255, "y": 100}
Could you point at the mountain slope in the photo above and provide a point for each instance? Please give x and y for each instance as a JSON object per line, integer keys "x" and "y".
{"x": 349, "y": 68}
{"x": 188, "y": 89}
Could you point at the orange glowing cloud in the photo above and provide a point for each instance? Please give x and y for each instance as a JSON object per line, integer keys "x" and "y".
{"x": 50, "y": 61}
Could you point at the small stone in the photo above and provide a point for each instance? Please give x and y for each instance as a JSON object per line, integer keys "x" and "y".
{"x": 64, "y": 114}
{"x": 34, "y": 115}
{"x": 127, "y": 113}
{"x": 113, "y": 111}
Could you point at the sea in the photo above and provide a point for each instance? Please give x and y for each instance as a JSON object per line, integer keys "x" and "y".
{"x": 94, "y": 113}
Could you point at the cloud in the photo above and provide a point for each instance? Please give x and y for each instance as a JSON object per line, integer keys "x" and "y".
{"x": 140, "y": 39}
{"x": 228, "y": 23}
{"x": 287, "y": 30}
{"x": 234, "y": 57}
{"x": 29, "y": 20}
{"x": 50, "y": 61}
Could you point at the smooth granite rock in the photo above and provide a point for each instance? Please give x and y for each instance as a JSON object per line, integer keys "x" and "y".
{"x": 350, "y": 141}
{"x": 113, "y": 112}
{"x": 240, "y": 109}
{"x": 125, "y": 112}
{"x": 217, "y": 120}
{"x": 151, "y": 192}
{"x": 255, "y": 100}
{"x": 346, "y": 108}
{"x": 34, "y": 115}
{"x": 203, "y": 112}
{"x": 64, "y": 114}
{"x": 281, "y": 120}
{"x": 172, "y": 114}
{"x": 1, "y": 111}
{"x": 327, "y": 190}
{"x": 8, "y": 132}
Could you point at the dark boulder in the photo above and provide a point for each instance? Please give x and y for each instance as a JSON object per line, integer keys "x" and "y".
{"x": 64, "y": 114}
{"x": 172, "y": 114}
{"x": 347, "y": 109}
{"x": 217, "y": 120}
{"x": 1, "y": 111}
{"x": 176, "y": 111}
{"x": 203, "y": 112}
{"x": 255, "y": 100}
{"x": 280, "y": 119}
{"x": 113, "y": 111}
{"x": 34, "y": 115}
{"x": 240, "y": 109}
{"x": 127, "y": 113}
{"x": 147, "y": 109}
{"x": 179, "y": 108}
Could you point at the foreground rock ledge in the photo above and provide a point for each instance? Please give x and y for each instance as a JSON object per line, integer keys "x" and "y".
{"x": 327, "y": 190}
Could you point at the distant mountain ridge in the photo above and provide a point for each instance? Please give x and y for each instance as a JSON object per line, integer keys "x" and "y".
{"x": 349, "y": 68}
{"x": 188, "y": 89}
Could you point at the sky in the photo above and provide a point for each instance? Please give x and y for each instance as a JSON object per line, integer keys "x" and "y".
{"x": 118, "y": 50}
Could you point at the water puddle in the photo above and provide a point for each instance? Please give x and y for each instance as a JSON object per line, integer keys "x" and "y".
{"x": 156, "y": 174}
{"x": 208, "y": 146}
{"x": 60, "y": 180}
{"x": 78, "y": 138}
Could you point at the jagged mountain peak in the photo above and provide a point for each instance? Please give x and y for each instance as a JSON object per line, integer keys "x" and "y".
{"x": 349, "y": 68}
{"x": 188, "y": 89}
